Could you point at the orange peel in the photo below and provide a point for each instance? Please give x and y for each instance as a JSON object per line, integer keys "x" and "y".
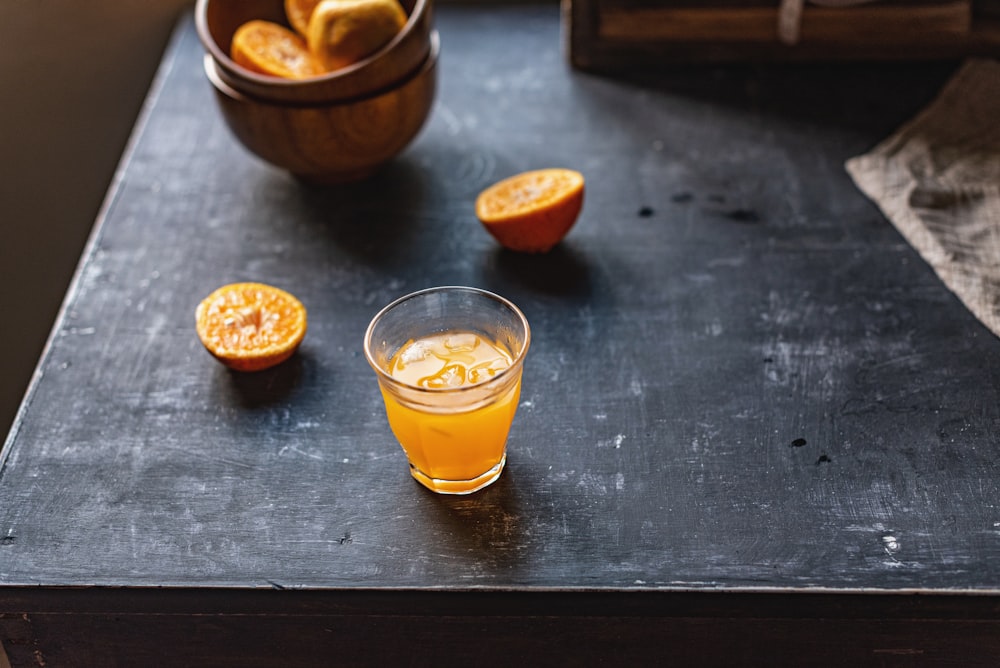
{"x": 342, "y": 32}
{"x": 531, "y": 212}
{"x": 299, "y": 13}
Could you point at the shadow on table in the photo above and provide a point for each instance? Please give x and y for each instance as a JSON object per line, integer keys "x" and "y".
{"x": 562, "y": 272}
{"x": 261, "y": 389}
{"x": 488, "y": 524}
{"x": 870, "y": 97}
{"x": 376, "y": 220}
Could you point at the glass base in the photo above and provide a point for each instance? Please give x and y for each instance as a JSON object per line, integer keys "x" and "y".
{"x": 459, "y": 486}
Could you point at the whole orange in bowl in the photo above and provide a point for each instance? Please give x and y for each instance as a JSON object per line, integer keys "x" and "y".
{"x": 250, "y": 326}
{"x": 531, "y": 212}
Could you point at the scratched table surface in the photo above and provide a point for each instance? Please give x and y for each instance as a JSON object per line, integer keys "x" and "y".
{"x": 742, "y": 380}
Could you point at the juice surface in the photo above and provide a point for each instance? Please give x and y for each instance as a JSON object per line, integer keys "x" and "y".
{"x": 462, "y": 445}
{"x": 450, "y": 359}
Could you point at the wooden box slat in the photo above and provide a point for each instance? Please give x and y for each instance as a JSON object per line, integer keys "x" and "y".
{"x": 619, "y": 34}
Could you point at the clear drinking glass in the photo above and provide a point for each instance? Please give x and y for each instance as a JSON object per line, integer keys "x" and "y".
{"x": 448, "y": 362}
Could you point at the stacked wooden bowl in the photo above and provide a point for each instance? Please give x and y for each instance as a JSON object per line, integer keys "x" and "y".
{"x": 334, "y": 128}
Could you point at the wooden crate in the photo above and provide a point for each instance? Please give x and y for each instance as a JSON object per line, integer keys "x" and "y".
{"x": 629, "y": 34}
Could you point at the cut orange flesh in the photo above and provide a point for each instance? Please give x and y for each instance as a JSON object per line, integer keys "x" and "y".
{"x": 299, "y": 12}
{"x": 342, "y": 32}
{"x": 250, "y": 326}
{"x": 531, "y": 212}
{"x": 268, "y": 48}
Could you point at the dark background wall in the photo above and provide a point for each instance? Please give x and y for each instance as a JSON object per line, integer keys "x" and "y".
{"x": 72, "y": 79}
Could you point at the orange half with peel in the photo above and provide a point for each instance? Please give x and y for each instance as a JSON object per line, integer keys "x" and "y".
{"x": 269, "y": 48}
{"x": 531, "y": 212}
{"x": 250, "y": 326}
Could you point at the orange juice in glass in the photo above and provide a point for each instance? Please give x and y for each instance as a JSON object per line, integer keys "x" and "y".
{"x": 448, "y": 362}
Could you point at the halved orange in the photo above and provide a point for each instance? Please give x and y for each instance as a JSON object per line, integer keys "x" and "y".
{"x": 298, "y": 13}
{"x": 532, "y": 211}
{"x": 268, "y": 48}
{"x": 342, "y": 32}
{"x": 250, "y": 326}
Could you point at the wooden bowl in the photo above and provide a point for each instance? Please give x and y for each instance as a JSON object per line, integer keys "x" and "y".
{"x": 332, "y": 142}
{"x": 217, "y": 20}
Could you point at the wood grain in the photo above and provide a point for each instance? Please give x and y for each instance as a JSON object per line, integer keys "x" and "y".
{"x": 619, "y": 35}
{"x": 897, "y": 23}
{"x": 331, "y": 142}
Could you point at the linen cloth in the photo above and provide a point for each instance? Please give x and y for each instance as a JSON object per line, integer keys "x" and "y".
{"x": 937, "y": 179}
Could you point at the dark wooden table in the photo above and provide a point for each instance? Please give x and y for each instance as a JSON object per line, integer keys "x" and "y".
{"x": 755, "y": 427}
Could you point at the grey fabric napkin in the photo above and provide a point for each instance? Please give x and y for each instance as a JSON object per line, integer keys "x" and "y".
{"x": 938, "y": 180}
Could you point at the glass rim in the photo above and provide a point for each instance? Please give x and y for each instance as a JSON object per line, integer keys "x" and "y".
{"x": 386, "y": 376}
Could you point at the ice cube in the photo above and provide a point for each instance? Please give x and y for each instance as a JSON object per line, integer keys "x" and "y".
{"x": 486, "y": 370}
{"x": 415, "y": 352}
{"x": 461, "y": 342}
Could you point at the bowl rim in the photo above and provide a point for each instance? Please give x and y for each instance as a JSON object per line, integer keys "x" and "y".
{"x": 222, "y": 57}
{"x": 211, "y": 68}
